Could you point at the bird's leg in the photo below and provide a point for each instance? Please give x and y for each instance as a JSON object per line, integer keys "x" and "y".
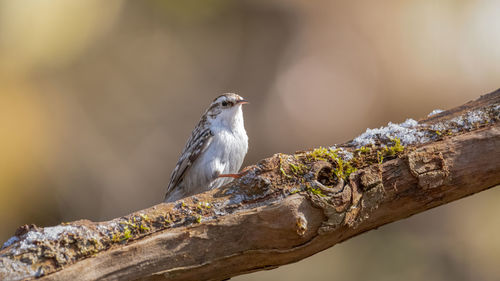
{"x": 230, "y": 176}
{"x": 235, "y": 176}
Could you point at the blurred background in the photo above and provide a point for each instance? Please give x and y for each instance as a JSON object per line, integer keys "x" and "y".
{"x": 97, "y": 99}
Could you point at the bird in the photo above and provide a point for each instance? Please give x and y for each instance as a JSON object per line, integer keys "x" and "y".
{"x": 214, "y": 152}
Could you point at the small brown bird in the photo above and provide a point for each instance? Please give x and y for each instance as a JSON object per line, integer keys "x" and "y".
{"x": 214, "y": 152}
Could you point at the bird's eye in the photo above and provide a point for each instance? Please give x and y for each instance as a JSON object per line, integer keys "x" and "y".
{"x": 224, "y": 103}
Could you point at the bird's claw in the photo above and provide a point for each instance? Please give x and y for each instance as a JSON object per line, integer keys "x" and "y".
{"x": 235, "y": 176}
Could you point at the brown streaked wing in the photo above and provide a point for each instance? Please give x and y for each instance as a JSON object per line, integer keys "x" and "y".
{"x": 197, "y": 143}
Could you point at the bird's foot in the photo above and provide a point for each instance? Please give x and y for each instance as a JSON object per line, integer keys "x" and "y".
{"x": 235, "y": 176}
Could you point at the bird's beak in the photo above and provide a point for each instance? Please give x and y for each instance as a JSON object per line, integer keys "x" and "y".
{"x": 242, "y": 102}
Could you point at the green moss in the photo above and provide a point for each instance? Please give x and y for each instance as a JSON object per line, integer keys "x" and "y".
{"x": 128, "y": 223}
{"x": 390, "y": 150}
{"x": 126, "y": 234}
{"x": 316, "y": 191}
{"x": 299, "y": 169}
{"x": 134, "y": 225}
{"x": 284, "y": 173}
{"x": 323, "y": 154}
{"x": 349, "y": 170}
{"x": 283, "y": 170}
{"x": 380, "y": 157}
{"x": 343, "y": 168}
{"x": 144, "y": 228}
{"x": 363, "y": 150}
{"x": 396, "y": 148}
{"x": 115, "y": 238}
{"x": 295, "y": 168}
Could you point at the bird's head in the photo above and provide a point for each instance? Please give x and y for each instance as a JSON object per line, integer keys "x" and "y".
{"x": 226, "y": 109}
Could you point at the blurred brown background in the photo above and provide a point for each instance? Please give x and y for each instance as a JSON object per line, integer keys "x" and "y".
{"x": 97, "y": 99}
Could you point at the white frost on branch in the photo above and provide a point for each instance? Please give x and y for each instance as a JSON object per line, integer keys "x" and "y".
{"x": 411, "y": 132}
{"x": 434, "y": 112}
{"x": 406, "y": 132}
{"x": 463, "y": 122}
{"x": 33, "y": 236}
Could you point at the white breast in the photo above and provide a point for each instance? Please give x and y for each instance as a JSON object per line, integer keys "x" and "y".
{"x": 224, "y": 155}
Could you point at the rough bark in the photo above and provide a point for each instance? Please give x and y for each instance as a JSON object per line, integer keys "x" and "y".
{"x": 286, "y": 208}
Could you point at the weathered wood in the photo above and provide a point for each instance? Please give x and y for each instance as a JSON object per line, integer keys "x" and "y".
{"x": 285, "y": 209}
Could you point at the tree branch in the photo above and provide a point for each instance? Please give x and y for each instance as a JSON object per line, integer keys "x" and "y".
{"x": 286, "y": 208}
